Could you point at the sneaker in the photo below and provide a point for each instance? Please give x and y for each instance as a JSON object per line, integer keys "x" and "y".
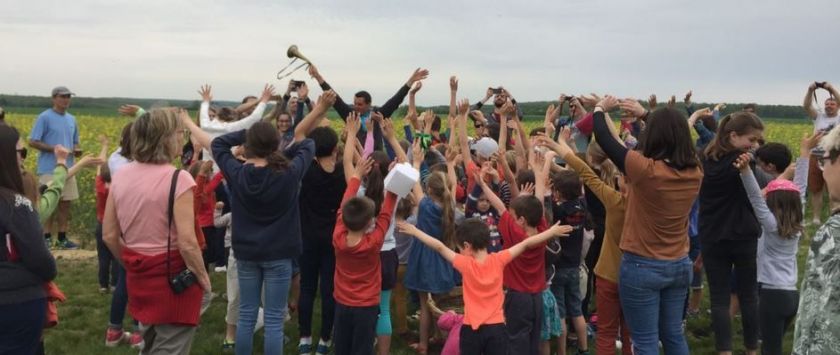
{"x": 228, "y": 345}
{"x": 323, "y": 347}
{"x": 220, "y": 269}
{"x": 66, "y": 244}
{"x": 305, "y": 346}
{"x": 114, "y": 337}
{"x": 103, "y": 290}
{"x": 136, "y": 340}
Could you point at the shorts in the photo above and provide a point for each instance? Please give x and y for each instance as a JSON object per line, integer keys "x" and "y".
{"x": 816, "y": 183}
{"x": 566, "y": 289}
{"x": 71, "y": 190}
{"x": 390, "y": 261}
{"x": 550, "y": 318}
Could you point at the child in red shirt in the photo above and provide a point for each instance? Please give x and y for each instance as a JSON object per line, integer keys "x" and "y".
{"x": 484, "y": 330}
{"x": 357, "y": 240}
{"x": 107, "y": 264}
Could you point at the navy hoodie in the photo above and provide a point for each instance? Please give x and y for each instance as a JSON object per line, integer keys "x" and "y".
{"x": 264, "y": 202}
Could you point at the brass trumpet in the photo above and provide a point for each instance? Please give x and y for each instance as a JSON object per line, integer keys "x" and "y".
{"x": 295, "y": 54}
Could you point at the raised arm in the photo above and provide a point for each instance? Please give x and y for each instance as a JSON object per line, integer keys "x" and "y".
{"x": 411, "y": 115}
{"x": 494, "y": 199}
{"x": 611, "y": 146}
{"x": 453, "y": 92}
{"x": 391, "y": 137}
{"x": 808, "y": 103}
{"x": 556, "y": 230}
{"x": 196, "y": 132}
{"x": 311, "y": 120}
{"x": 340, "y": 106}
{"x": 206, "y": 92}
{"x": 394, "y": 102}
{"x": 353, "y": 125}
{"x": 254, "y": 117}
{"x": 759, "y": 205}
{"x": 434, "y": 244}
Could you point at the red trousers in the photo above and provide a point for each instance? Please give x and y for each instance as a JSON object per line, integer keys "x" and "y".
{"x": 610, "y": 319}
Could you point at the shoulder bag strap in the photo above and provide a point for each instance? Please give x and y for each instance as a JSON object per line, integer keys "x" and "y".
{"x": 170, "y": 213}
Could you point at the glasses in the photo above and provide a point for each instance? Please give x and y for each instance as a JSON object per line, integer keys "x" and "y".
{"x": 821, "y": 161}
{"x": 22, "y": 152}
{"x": 65, "y": 96}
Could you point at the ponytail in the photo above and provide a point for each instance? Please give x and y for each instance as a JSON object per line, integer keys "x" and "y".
{"x": 277, "y": 161}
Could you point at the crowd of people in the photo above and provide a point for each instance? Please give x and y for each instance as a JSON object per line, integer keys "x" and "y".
{"x": 574, "y": 231}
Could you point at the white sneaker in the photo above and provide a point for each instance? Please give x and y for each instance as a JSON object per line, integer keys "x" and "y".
{"x": 220, "y": 269}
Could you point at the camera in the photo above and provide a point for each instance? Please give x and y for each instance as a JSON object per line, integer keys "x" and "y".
{"x": 297, "y": 84}
{"x": 820, "y": 84}
{"x": 496, "y": 91}
{"x": 181, "y": 282}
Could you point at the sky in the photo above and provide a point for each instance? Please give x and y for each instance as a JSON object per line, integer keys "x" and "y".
{"x": 732, "y": 51}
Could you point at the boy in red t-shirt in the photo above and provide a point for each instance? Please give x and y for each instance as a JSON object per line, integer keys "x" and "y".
{"x": 524, "y": 278}
{"x": 358, "y": 275}
{"x": 484, "y": 330}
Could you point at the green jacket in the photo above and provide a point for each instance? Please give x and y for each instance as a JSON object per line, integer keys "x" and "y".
{"x": 50, "y": 198}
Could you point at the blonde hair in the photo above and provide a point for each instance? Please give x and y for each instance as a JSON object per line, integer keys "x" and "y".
{"x": 154, "y": 136}
{"x": 608, "y": 172}
{"x": 438, "y": 190}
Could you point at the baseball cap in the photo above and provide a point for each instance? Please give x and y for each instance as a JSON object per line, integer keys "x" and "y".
{"x": 485, "y": 147}
{"x": 61, "y": 90}
{"x": 781, "y": 185}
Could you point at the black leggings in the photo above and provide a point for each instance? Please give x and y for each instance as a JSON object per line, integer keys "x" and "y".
{"x": 778, "y": 309}
{"x": 720, "y": 258}
{"x": 317, "y": 266}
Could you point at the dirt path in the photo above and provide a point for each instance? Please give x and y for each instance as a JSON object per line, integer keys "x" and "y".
{"x": 78, "y": 254}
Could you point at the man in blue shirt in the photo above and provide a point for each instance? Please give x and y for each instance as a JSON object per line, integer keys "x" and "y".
{"x": 53, "y": 127}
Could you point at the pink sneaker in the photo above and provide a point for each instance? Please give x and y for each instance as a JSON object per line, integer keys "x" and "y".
{"x": 114, "y": 337}
{"x": 136, "y": 340}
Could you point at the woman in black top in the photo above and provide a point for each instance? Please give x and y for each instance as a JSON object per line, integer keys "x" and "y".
{"x": 25, "y": 263}
{"x": 729, "y": 230}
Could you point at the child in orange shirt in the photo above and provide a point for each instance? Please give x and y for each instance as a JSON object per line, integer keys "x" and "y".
{"x": 484, "y": 320}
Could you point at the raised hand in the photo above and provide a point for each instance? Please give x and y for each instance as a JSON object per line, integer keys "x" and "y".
{"x": 267, "y": 92}
{"x": 129, "y": 110}
{"x": 478, "y": 116}
{"x": 417, "y": 153}
{"x": 388, "y": 128}
{"x": 407, "y": 228}
{"x": 559, "y": 230}
{"x": 743, "y": 162}
{"x": 427, "y": 118}
{"x": 419, "y": 74}
{"x": 608, "y": 103}
{"x": 326, "y": 100}
{"x": 303, "y": 91}
{"x": 633, "y": 107}
{"x": 508, "y": 109}
{"x": 809, "y": 142}
{"x": 453, "y": 83}
{"x": 363, "y": 168}
{"x": 313, "y": 72}
{"x": 652, "y": 101}
{"x": 687, "y": 98}
{"x": 206, "y": 93}
{"x": 89, "y": 160}
{"x": 527, "y": 189}
{"x": 672, "y": 101}
{"x": 377, "y": 117}
{"x": 417, "y": 86}
{"x": 697, "y": 114}
{"x": 220, "y": 205}
{"x": 352, "y": 123}
{"x": 463, "y": 107}
{"x": 720, "y": 107}
{"x": 488, "y": 94}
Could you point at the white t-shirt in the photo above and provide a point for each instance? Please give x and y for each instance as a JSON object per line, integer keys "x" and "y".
{"x": 823, "y": 121}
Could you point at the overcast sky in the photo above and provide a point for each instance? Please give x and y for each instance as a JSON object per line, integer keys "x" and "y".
{"x": 734, "y": 51}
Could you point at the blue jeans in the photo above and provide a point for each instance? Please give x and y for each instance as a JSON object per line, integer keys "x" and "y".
{"x": 652, "y": 296}
{"x": 276, "y": 275}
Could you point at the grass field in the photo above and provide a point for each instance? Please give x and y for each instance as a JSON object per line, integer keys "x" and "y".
{"x": 84, "y": 316}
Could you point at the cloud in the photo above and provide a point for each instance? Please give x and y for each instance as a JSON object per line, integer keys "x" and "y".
{"x": 761, "y": 51}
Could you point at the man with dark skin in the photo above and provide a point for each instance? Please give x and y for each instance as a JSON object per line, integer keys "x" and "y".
{"x": 362, "y": 103}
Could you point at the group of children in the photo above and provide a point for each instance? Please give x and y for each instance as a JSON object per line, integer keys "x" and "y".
{"x": 527, "y": 223}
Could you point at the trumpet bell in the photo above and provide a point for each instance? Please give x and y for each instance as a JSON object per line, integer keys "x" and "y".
{"x": 294, "y": 53}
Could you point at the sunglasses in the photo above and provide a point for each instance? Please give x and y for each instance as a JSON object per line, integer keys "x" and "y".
{"x": 22, "y": 152}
